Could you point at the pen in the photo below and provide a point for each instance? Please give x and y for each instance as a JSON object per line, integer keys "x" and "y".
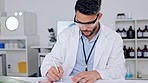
{"x": 56, "y": 67}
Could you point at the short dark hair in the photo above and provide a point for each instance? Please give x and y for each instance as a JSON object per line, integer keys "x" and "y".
{"x": 88, "y": 7}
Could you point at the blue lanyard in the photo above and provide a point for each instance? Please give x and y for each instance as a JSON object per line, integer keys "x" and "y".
{"x": 86, "y": 60}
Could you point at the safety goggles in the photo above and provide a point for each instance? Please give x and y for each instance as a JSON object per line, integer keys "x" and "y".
{"x": 86, "y": 24}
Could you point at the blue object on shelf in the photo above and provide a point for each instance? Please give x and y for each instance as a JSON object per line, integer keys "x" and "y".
{"x": 128, "y": 76}
{"x": 2, "y": 45}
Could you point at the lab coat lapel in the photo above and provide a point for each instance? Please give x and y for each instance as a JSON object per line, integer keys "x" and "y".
{"x": 74, "y": 45}
{"x": 100, "y": 47}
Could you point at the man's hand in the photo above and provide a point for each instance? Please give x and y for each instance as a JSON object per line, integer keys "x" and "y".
{"x": 54, "y": 75}
{"x": 86, "y": 77}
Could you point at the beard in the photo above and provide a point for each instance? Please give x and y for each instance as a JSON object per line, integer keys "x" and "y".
{"x": 88, "y": 31}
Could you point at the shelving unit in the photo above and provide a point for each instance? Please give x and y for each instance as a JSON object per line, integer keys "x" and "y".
{"x": 16, "y": 40}
{"x": 135, "y": 64}
{"x": 18, "y": 49}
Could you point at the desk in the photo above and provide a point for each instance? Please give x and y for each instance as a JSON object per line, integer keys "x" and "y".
{"x": 39, "y": 48}
{"x": 42, "y": 51}
{"x": 35, "y": 79}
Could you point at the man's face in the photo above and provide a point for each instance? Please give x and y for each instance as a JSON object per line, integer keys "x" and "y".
{"x": 87, "y": 23}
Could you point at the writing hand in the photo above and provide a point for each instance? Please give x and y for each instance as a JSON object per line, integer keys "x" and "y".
{"x": 53, "y": 74}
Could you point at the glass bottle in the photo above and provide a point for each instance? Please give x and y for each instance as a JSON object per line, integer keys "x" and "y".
{"x": 139, "y": 33}
{"x": 128, "y": 73}
{"x": 131, "y": 33}
{"x": 139, "y": 74}
{"x": 145, "y": 51}
{"x": 125, "y": 52}
{"x": 139, "y": 53}
{"x": 124, "y": 33}
{"x": 119, "y": 32}
{"x": 132, "y": 53}
{"x": 145, "y": 32}
{"x": 128, "y": 50}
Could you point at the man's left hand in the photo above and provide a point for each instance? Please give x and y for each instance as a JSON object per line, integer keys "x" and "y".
{"x": 86, "y": 77}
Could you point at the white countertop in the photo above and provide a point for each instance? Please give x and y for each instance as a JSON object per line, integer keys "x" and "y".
{"x": 68, "y": 80}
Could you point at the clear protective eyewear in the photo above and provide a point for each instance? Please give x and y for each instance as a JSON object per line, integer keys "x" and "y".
{"x": 86, "y": 24}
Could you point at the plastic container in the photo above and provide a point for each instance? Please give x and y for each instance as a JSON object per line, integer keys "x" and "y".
{"x": 22, "y": 67}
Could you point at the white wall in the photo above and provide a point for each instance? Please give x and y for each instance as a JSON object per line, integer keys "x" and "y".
{"x": 50, "y": 11}
{"x": 2, "y": 5}
{"x": 110, "y": 8}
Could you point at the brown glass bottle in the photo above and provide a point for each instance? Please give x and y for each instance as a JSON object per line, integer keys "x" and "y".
{"x": 132, "y": 53}
{"x": 139, "y": 33}
{"x": 145, "y": 52}
{"x": 131, "y": 33}
{"x": 126, "y": 54}
{"x": 139, "y": 53}
{"x": 145, "y": 32}
{"x": 119, "y": 32}
{"x": 124, "y": 33}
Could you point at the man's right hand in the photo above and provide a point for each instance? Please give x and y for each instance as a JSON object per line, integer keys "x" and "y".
{"x": 54, "y": 75}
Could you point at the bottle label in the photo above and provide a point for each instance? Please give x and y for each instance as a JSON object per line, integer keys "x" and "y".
{"x": 132, "y": 54}
{"x": 124, "y": 34}
{"x": 145, "y": 54}
{"x": 139, "y": 54}
{"x": 131, "y": 34}
{"x": 145, "y": 34}
{"x": 139, "y": 34}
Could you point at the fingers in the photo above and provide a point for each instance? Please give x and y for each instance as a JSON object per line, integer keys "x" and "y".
{"x": 84, "y": 80}
{"x": 61, "y": 71}
{"x": 90, "y": 81}
{"x": 53, "y": 74}
{"x": 79, "y": 77}
{"x": 86, "y": 77}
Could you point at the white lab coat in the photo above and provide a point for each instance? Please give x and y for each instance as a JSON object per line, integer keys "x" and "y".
{"x": 108, "y": 59}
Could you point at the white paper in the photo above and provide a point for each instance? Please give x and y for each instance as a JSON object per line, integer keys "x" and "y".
{"x": 64, "y": 80}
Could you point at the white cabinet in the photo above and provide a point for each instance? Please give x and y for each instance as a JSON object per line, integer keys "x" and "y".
{"x": 21, "y": 60}
{"x": 135, "y": 65}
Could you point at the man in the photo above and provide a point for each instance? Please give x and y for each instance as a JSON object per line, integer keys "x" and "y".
{"x": 88, "y": 51}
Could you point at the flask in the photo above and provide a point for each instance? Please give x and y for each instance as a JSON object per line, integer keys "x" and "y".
{"x": 139, "y": 33}
{"x": 145, "y": 52}
{"x": 131, "y": 33}
{"x": 128, "y": 73}
{"x": 139, "y": 53}
{"x": 129, "y": 16}
{"x": 124, "y": 33}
